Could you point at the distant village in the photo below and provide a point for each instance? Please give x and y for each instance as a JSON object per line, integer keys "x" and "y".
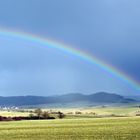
{"x": 11, "y": 108}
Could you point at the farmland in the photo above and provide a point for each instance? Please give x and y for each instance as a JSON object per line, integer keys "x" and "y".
{"x": 125, "y": 128}
{"x": 85, "y": 125}
{"x": 88, "y": 112}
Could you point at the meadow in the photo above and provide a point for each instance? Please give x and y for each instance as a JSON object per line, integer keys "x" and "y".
{"x": 83, "y": 112}
{"x": 84, "y": 126}
{"x": 125, "y": 128}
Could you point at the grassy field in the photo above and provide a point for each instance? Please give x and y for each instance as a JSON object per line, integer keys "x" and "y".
{"x": 100, "y": 111}
{"x": 85, "y": 112}
{"x": 84, "y": 126}
{"x": 72, "y": 129}
{"x": 13, "y": 113}
{"x": 126, "y": 111}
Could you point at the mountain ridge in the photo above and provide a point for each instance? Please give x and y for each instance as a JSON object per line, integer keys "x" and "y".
{"x": 100, "y": 97}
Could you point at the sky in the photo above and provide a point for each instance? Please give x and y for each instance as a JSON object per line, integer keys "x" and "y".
{"x": 106, "y": 29}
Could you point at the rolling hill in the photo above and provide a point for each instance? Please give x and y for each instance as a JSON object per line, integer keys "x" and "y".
{"x": 75, "y": 98}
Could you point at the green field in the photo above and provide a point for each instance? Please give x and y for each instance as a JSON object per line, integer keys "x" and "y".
{"x": 86, "y": 112}
{"x": 73, "y": 129}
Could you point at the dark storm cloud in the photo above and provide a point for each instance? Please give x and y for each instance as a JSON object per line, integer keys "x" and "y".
{"x": 108, "y": 29}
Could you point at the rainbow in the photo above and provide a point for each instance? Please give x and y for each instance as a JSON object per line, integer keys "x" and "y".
{"x": 72, "y": 51}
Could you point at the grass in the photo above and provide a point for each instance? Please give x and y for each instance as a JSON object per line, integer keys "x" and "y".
{"x": 128, "y": 111}
{"x": 127, "y": 128}
{"x": 124, "y": 111}
{"x": 75, "y": 127}
{"x": 116, "y": 110}
{"x": 13, "y": 113}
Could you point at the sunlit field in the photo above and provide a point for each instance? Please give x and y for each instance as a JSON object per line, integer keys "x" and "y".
{"x": 13, "y": 113}
{"x": 86, "y": 112}
{"x": 72, "y": 129}
{"x": 109, "y": 123}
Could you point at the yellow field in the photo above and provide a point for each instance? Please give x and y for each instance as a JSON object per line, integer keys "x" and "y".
{"x": 124, "y": 111}
{"x": 72, "y": 129}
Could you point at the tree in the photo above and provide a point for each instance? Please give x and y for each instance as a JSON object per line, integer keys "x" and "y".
{"x": 60, "y": 115}
{"x": 31, "y": 115}
{"x": 38, "y": 112}
{"x": 45, "y": 115}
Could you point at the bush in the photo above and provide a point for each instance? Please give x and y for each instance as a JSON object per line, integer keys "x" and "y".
{"x": 38, "y": 112}
{"x": 60, "y": 115}
{"x": 45, "y": 115}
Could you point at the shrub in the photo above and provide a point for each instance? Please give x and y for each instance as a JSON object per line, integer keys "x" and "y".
{"x": 45, "y": 115}
{"x": 38, "y": 112}
{"x": 60, "y": 115}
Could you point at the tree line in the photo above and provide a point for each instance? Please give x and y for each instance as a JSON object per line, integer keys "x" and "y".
{"x": 37, "y": 114}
